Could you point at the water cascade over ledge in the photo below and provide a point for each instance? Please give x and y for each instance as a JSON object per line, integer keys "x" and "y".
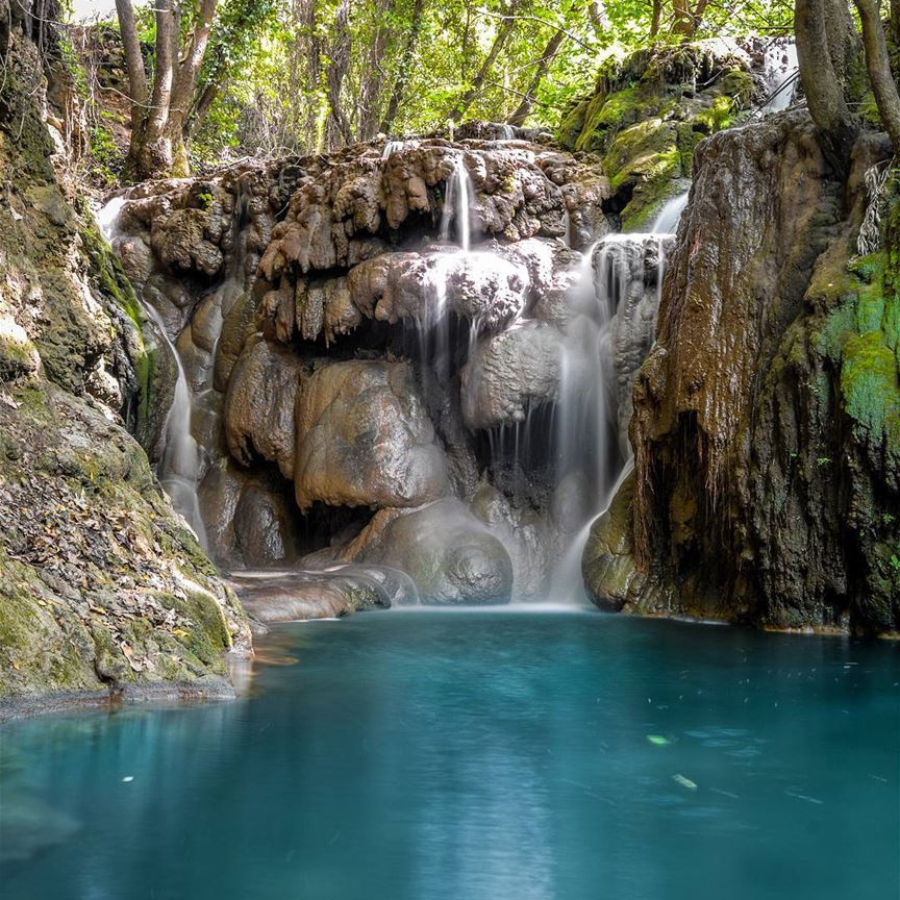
{"x": 415, "y": 359}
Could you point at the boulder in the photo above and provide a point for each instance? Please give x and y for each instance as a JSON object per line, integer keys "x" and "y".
{"x": 259, "y": 405}
{"x": 450, "y": 555}
{"x": 364, "y": 438}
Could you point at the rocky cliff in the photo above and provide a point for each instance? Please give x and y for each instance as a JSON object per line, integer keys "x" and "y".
{"x": 102, "y": 589}
{"x": 765, "y": 431}
{"x": 370, "y": 341}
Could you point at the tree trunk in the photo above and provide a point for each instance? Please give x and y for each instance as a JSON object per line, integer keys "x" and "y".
{"x": 524, "y": 108}
{"x": 458, "y": 110}
{"x": 151, "y": 151}
{"x": 824, "y": 83}
{"x": 895, "y": 21}
{"x": 337, "y": 128}
{"x": 403, "y": 69}
{"x": 684, "y": 22}
{"x": 597, "y": 12}
{"x": 370, "y": 91}
{"x": 656, "y": 18}
{"x": 188, "y": 71}
{"x": 134, "y": 64}
{"x": 878, "y": 64}
{"x": 687, "y": 20}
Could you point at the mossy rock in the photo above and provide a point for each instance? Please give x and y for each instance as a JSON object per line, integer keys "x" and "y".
{"x": 18, "y": 355}
{"x": 607, "y": 564}
{"x": 647, "y": 115}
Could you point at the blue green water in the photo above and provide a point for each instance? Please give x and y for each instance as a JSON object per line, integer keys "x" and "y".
{"x": 479, "y": 756}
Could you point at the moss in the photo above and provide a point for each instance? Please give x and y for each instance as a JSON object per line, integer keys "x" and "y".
{"x": 860, "y": 335}
{"x": 18, "y": 355}
{"x": 647, "y": 116}
{"x": 739, "y": 85}
{"x": 716, "y": 117}
{"x": 109, "y": 279}
{"x": 870, "y": 386}
{"x": 209, "y": 636}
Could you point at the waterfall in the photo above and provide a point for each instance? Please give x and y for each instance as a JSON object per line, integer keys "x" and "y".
{"x": 670, "y": 214}
{"x": 179, "y": 469}
{"x": 458, "y": 206}
{"x": 780, "y": 68}
{"x": 184, "y": 460}
{"x": 392, "y": 147}
{"x": 616, "y": 275}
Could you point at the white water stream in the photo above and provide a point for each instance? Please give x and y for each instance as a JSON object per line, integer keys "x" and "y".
{"x": 179, "y": 468}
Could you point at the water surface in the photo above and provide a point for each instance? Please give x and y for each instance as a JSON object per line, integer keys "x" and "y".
{"x": 467, "y": 756}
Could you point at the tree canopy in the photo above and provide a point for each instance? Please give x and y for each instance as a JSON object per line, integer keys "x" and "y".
{"x": 213, "y": 78}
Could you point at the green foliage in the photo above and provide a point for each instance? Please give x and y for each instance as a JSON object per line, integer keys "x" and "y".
{"x": 308, "y": 77}
{"x": 106, "y": 160}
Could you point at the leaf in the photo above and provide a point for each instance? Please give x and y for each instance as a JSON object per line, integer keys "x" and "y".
{"x": 685, "y": 782}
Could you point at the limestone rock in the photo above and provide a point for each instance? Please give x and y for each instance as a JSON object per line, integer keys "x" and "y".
{"x": 259, "y": 405}
{"x": 510, "y": 371}
{"x": 364, "y": 439}
{"x": 451, "y": 556}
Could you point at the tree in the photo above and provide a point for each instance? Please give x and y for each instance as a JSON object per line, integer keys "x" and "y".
{"x": 524, "y": 108}
{"x": 878, "y": 64}
{"x": 504, "y": 30}
{"x": 160, "y": 116}
{"x": 688, "y": 19}
{"x": 829, "y": 51}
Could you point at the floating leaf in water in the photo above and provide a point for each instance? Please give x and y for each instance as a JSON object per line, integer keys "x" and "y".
{"x": 685, "y": 782}
{"x": 657, "y": 740}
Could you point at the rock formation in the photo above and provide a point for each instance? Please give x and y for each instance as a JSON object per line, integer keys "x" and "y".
{"x": 765, "y": 419}
{"x": 102, "y": 589}
{"x": 337, "y": 330}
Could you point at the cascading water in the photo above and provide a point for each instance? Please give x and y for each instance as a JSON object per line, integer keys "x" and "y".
{"x": 780, "y": 75}
{"x": 180, "y": 466}
{"x": 670, "y": 215}
{"x": 612, "y": 282}
{"x": 458, "y": 207}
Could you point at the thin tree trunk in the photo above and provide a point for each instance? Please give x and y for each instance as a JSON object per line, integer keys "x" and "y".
{"x": 507, "y": 24}
{"x": 151, "y": 152}
{"x": 687, "y": 21}
{"x": 878, "y": 64}
{"x": 403, "y": 69}
{"x": 656, "y": 18}
{"x": 895, "y": 21}
{"x": 134, "y": 64}
{"x": 524, "y": 108}
{"x": 189, "y": 67}
{"x": 370, "y": 92}
{"x": 337, "y": 128}
{"x": 683, "y": 22}
{"x": 822, "y": 85}
{"x": 597, "y": 12}
{"x": 200, "y": 109}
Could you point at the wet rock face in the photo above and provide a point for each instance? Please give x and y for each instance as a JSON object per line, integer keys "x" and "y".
{"x": 259, "y": 405}
{"x": 343, "y": 202}
{"x": 510, "y": 371}
{"x": 364, "y": 439}
{"x": 450, "y": 555}
{"x": 757, "y": 496}
{"x": 358, "y": 336}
